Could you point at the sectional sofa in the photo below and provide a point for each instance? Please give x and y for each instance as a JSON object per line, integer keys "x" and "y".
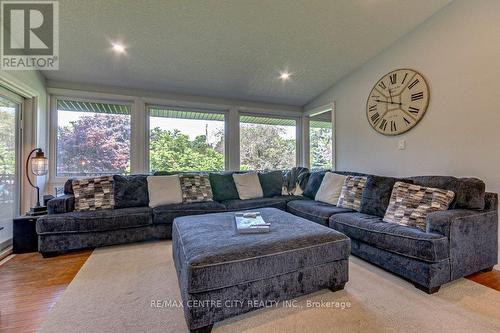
{"x": 457, "y": 242}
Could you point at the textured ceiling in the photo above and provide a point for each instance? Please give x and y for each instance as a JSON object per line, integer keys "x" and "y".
{"x": 233, "y": 49}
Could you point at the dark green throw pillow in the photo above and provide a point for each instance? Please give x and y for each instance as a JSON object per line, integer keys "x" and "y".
{"x": 223, "y": 187}
{"x": 271, "y": 183}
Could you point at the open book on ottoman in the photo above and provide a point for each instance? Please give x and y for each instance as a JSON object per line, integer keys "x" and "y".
{"x": 251, "y": 223}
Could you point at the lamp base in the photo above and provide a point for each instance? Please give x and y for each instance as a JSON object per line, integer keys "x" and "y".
{"x": 35, "y": 211}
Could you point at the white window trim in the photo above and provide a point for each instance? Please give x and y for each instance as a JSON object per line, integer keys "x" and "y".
{"x": 306, "y": 129}
{"x": 54, "y": 179}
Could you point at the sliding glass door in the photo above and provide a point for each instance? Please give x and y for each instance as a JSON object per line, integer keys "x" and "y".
{"x": 10, "y": 106}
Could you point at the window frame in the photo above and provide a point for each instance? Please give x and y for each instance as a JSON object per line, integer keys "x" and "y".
{"x": 298, "y": 132}
{"x": 223, "y": 112}
{"x": 54, "y": 179}
{"x": 306, "y": 131}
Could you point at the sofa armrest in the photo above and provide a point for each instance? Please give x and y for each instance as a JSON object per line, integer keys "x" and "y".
{"x": 472, "y": 236}
{"x": 62, "y": 204}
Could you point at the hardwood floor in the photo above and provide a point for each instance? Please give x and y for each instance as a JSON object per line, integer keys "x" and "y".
{"x": 30, "y": 285}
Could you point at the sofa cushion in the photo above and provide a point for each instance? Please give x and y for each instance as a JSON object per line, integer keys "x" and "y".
{"x": 403, "y": 240}
{"x": 248, "y": 185}
{"x": 469, "y": 192}
{"x": 164, "y": 190}
{"x": 130, "y": 191}
{"x": 165, "y": 214}
{"x": 271, "y": 182}
{"x": 313, "y": 184}
{"x": 99, "y": 220}
{"x": 352, "y": 192}
{"x": 195, "y": 188}
{"x": 314, "y": 211}
{"x": 223, "y": 187}
{"x": 410, "y": 204}
{"x": 93, "y": 193}
{"x": 330, "y": 188}
{"x": 377, "y": 193}
{"x": 275, "y": 202}
{"x": 68, "y": 186}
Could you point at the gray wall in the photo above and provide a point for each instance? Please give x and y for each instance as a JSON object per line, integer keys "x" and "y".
{"x": 458, "y": 52}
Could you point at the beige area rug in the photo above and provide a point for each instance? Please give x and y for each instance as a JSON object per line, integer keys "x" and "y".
{"x": 114, "y": 289}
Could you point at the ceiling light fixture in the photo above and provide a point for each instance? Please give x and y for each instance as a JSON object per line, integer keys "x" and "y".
{"x": 119, "y": 48}
{"x": 285, "y": 75}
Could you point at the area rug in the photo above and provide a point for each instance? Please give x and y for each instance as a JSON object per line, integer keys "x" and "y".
{"x": 133, "y": 288}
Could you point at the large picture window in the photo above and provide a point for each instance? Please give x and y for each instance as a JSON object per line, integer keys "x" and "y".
{"x": 267, "y": 143}
{"x": 92, "y": 138}
{"x": 321, "y": 141}
{"x": 185, "y": 140}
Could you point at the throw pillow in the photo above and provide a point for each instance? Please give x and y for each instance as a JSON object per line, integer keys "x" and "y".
{"x": 130, "y": 191}
{"x": 223, "y": 187}
{"x": 271, "y": 182}
{"x": 195, "y": 188}
{"x": 330, "y": 188}
{"x": 352, "y": 192}
{"x": 93, "y": 193}
{"x": 410, "y": 204}
{"x": 377, "y": 193}
{"x": 248, "y": 185}
{"x": 164, "y": 190}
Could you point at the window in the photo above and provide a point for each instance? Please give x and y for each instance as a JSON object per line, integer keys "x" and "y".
{"x": 267, "y": 143}
{"x": 9, "y": 160}
{"x": 185, "y": 140}
{"x": 321, "y": 141}
{"x": 92, "y": 138}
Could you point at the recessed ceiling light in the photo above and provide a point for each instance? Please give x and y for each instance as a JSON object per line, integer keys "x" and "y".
{"x": 285, "y": 75}
{"x": 119, "y": 48}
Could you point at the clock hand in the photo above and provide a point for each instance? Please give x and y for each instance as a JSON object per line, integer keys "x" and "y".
{"x": 377, "y": 100}
{"x": 390, "y": 94}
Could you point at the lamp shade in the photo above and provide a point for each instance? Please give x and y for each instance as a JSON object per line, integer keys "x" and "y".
{"x": 39, "y": 164}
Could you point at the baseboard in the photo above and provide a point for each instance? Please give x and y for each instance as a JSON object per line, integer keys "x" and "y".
{"x": 6, "y": 255}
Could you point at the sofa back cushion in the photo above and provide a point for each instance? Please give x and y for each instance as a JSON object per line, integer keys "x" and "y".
{"x": 410, "y": 204}
{"x": 195, "y": 188}
{"x": 248, "y": 185}
{"x": 271, "y": 183}
{"x": 352, "y": 192}
{"x": 223, "y": 187}
{"x": 377, "y": 193}
{"x": 130, "y": 191}
{"x": 93, "y": 193}
{"x": 469, "y": 192}
{"x": 313, "y": 183}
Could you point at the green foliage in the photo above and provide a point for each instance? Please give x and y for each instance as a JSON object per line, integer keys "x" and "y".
{"x": 173, "y": 151}
{"x": 7, "y": 142}
{"x": 321, "y": 148}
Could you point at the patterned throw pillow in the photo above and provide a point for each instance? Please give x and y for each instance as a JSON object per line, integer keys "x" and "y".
{"x": 410, "y": 204}
{"x": 195, "y": 188}
{"x": 93, "y": 193}
{"x": 352, "y": 192}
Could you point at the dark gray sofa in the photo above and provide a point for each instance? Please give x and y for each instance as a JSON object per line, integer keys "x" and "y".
{"x": 458, "y": 242}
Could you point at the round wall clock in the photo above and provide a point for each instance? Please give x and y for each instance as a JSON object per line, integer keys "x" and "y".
{"x": 397, "y": 102}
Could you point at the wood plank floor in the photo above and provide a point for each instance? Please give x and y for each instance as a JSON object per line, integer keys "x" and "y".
{"x": 30, "y": 285}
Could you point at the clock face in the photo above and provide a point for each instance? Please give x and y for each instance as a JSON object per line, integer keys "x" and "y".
{"x": 397, "y": 102}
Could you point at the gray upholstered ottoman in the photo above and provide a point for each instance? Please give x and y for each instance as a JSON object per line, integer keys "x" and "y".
{"x": 222, "y": 274}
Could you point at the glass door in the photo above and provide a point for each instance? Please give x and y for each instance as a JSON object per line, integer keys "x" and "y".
{"x": 10, "y": 108}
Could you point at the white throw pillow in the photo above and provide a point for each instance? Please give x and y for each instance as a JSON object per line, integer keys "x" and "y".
{"x": 330, "y": 188}
{"x": 248, "y": 185}
{"x": 164, "y": 190}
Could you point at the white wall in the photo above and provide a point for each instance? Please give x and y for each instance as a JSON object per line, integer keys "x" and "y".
{"x": 458, "y": 52}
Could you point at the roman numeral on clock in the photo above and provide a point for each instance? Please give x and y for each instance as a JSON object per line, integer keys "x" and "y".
{"x": 413, "y": 110}
{"x": 404, "y": 78}
{"x": 406, "y": 121}
{"x": 413, "y": 84}
{"x": 383, "y": 124}
{"x": 393, "y": 126}
{"x": 417, "y": 96}
{"x": 372, "y": 108}
{"x": 393, "y": 78}
{"x": 375, "y": 117}
{"x": 382, "y": 85}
